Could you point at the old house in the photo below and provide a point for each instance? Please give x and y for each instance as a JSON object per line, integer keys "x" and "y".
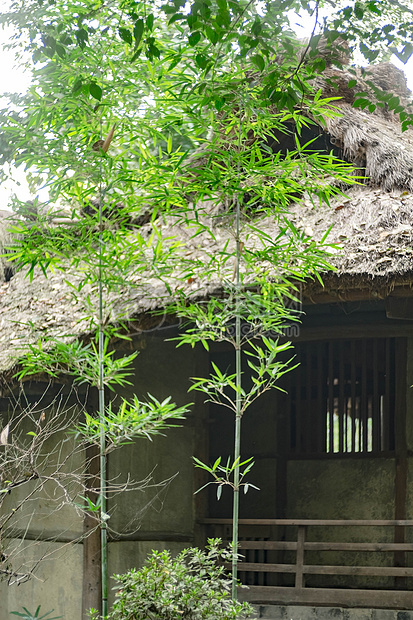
{"x": 332, "y": 523}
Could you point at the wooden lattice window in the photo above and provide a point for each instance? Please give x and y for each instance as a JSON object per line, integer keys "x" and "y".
{"x": 341, "y": 398}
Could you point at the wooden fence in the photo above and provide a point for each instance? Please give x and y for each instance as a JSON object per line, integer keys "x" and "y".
{"x": 292, "y": 561}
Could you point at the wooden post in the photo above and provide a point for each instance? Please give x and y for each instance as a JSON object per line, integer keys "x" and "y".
{"x": 401, "y": 453}
{"x": 92, "y": 582}
{"x": 299, "y": 576}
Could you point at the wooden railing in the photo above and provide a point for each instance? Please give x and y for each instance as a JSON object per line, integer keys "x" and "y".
{"x": 309, "y": 569}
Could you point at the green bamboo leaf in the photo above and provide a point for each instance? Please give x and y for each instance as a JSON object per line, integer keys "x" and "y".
{"x": 95, "y": 91}
{"x": 82, "y": 37}
{"x": 201, "y": 60}
{"x": 213, "y": 35}
{"x": 149, "y": 21}
{"x": 126, "y": 35}
{"x": 176, "y": 17}
{"x": 77, "y": 85}
{"x": 138, "y": 31}
{"x": 258, "y": 61}
{"x": 60, "y": 50}
{"x": 136, "y": 54}
{"x": 358, "y": 10}
{"x": 194, "y": 38}
{"x": 406, "y": 52}
{"x": 217, "y": 462}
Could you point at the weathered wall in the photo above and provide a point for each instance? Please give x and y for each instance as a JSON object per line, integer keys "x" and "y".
{"x": 355, "y": 488}
{"x": 57, "y": 585}
{"x": 158, "y": 514}
{"x": 42, "y": 512}
{"x": 38, "y": 515}
{"x": 360, "y": 488}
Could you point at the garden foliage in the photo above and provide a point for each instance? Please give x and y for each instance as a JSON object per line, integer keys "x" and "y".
{"x": 194, "y": 585}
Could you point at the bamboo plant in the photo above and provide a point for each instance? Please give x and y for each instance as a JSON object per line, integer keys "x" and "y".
{"x": 192, "y": 98}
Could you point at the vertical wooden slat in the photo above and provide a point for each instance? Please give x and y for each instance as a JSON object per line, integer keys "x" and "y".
{"x": 306, "y": 400}
{"x": 376, "y": 426}
{"x": 388, "y": 413}
{"x": 385, "y": 441}
{"x": 341, "y": 408}
{"x": 311, "y": 427}
{"x": 262, "y": 557}
{"x": 353, "y": 394}
{"x": 321, "y": 401}
{"x": 347, "y": 387}
{"x": 400, "y": 404}
{"x": 299, "y": 577}
{"x": 284, "y": 429}
{"x": 364, "y": 400}
{"x": 392, "y": 410}
{"x": 331, "y": 396}
{"x": 298, "y": 404}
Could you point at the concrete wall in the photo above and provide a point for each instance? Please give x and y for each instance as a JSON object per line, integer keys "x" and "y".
{"x": 57, "y": 584}
{"x": 42, "y": 511}
{"x": 360, "y": 488}
{"x": 343, "y": 489}
{"x": 159, "y": 508}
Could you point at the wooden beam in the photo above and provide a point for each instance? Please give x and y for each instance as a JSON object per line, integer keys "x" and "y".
{"x": 373, "y": 571}
{"x": 321, "y": 569}
{"x": 385, "y": 599}
{"x": 55, "y": 535}
{"x": 399, "y": 308}
{"x": 338, "y": 295}
{"x": 321, "y": 522}
{"x": 324, "y": 546}
{"x": 258, "y": 567}
{"x": 76, "y": 538}
{"x": 347, "y": 332}
{"x": 152, "y": 536}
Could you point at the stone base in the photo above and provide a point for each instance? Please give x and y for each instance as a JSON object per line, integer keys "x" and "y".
{"x": 299, "y": 612}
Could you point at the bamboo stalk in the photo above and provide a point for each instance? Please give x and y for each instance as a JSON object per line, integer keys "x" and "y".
{"x": 238, "y": 382}
{"x": 101, "y": 389}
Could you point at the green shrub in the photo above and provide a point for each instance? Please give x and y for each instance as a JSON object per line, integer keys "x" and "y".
{"x": 191, "y": 586}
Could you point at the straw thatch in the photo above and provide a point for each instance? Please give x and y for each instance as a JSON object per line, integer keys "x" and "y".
{"x": 372, "y": 228}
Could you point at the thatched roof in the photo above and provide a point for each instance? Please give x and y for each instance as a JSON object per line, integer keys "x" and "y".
{"x": 372, "y": 227}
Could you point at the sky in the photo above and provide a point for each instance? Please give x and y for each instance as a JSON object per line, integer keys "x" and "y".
{"x": 12, "y": 79}
{"x": 15, "y": 79}
{"x": 304, "y": 26}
